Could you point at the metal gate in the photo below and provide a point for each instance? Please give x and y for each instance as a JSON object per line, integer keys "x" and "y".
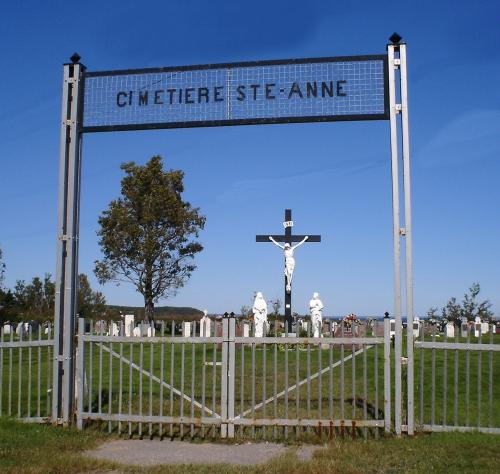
{"x": 220, "y": 381}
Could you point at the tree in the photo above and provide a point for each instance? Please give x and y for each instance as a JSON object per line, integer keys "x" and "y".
{"x": 147, "y": 235}
{"x": 35, "y": 300}
{"x": 469, "y": 309}
{"x": 2, "y": 270}
{"x": 91, "y": 304}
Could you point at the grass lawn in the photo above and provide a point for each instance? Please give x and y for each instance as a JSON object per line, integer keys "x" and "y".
{"x": 29, "y": 448}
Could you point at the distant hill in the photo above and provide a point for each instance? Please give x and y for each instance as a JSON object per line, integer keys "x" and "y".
{"x": 161, "y": 312}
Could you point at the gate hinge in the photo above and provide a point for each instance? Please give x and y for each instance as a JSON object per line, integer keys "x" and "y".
{"x": 398, "y": 108}
{"x": 402, "y": 231}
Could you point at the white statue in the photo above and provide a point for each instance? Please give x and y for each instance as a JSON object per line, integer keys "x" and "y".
{"x": 259, "y": 310}
{"x": 316, "y": 310}
{"x": 289, "y": 260}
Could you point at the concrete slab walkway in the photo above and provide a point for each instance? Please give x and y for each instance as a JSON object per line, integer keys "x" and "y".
{"x": 154, "y": 452}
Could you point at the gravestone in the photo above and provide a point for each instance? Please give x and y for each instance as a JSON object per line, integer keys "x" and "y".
{"x": 114, "y": 330}
{"x": 450, "y": 330}
{"x": 246, "y": 329}
{"x": 205, "y": 325}
{"x": 151, "y": 331}
{"x": 137, "y": 331}
{"x": 7, "y": 329}
{"x": 186, "y": 329}
{"x": 20, "y": 329}
{"x": 129, "y": 324}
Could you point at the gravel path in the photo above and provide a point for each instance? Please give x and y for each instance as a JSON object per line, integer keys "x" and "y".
{"x": 153, "y": 452}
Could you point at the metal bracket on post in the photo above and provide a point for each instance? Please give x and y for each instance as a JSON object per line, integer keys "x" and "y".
{"x": 67, "y": 243}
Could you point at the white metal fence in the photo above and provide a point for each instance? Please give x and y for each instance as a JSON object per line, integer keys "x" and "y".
{"x": 26, "y": 361}
{"x": 222, "y": 381}
{"x": 458, "y": 379}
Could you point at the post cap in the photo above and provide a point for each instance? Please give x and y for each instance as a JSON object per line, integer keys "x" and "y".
{"x": 386, "y": 314}
{"x": 395, "y": 38}
{"x": 75, "y": 58}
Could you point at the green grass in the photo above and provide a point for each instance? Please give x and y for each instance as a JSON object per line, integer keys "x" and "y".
{"x": 27, "y": 448}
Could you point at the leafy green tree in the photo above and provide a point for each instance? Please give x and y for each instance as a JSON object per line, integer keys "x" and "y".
{"x": 91, "y": 304}
{"x": 147, "y": 236}
{"x": 469, "y": 309}
{"x": 35, "y": 300}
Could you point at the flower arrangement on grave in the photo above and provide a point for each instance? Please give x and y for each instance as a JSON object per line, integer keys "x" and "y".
{"x": 350, "y": 319}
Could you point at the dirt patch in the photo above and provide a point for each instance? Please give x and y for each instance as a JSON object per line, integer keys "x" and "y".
{"x": 154, "y": 452}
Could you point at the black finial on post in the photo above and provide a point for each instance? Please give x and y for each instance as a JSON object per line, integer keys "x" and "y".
{"x": 386, "y": 314}
{"x": 395, "y": 39}
{"x": 75, "y": 58}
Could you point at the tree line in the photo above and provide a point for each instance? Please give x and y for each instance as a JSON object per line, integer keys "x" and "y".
{"x": 35, "y": 300}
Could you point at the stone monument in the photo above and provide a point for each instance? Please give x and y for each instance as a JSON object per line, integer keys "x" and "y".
{"x": 205, "y": 324}
{"x": 316, "y": 310}
{"x": 259, "y": 310}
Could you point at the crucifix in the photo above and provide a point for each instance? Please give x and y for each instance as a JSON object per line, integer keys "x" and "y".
{"x": 288, "y": 250}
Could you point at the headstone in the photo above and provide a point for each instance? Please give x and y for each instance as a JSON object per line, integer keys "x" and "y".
{"x": 304, "y": 325}
{"x": 478, "y": 326}
{"x": 129, "y": 324}
{"x": 6, "y": 329}
{"x": 186, "y": 329}
{"x": 450, "y": 331}
{"x": 246, "y": 329}
{"x": 416, "y": 327}
{"x": 259, "y": 310}
{"x": 137, "y": 331}
{"x": 19, "y": 329}
{"x": 114, "y": 330}
{"x": 316, "y": 309}
{"x": 205, "y": 325}
{"x": 151, "y": 331}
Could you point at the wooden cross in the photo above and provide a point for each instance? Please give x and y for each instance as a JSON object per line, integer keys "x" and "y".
{"x": 288, "y": 238}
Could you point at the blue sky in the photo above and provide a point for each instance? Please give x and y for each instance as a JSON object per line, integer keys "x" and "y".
{"x": 335, "y": 176}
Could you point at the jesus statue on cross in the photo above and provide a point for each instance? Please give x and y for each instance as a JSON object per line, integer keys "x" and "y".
{"x": 289, "y": 259}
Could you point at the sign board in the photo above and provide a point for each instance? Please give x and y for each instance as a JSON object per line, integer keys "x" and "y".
{"x": 284, "y": 91}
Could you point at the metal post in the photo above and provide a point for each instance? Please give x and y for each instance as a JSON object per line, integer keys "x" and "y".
{"x": 231, "y": 376}
{"x": 396, "y": 235}
{"x": 387, "y": 373}
{"x": 80, "y": 373}
{"x": 408, "y": 236}
{"x": 224, "y": 385}
{"x": 67, "y": 242}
